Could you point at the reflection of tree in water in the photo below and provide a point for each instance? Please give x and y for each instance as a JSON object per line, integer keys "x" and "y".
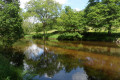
{"x": 11, "y": 63}
{"x": 40, "y": 62}
{"x": 69, "y": 62}
{"x": 14, "y": 56}
{"x": 94, "y": 74}
{"x": 50, "y": 63}
{"x": 47, "y": 64}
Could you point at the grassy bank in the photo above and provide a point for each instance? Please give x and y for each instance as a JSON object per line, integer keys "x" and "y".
{"x": 50, "y": 35}
{"x": 88, "y": 36}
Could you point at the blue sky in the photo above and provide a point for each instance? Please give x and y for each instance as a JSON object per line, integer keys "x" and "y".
{"x": 75, "y": 4}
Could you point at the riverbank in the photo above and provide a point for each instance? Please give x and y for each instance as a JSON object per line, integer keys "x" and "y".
{"x": 88, "y": 36}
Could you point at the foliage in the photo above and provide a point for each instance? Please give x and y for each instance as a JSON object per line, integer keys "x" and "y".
{"x": 38, "y": 27}
{"x": 104, "y": 14}
{"x": 70, "y": 36}
{"x": 46, "y": 11}
{"x": 40, "y": 36}
{"x": 71, "y": 20}
{"x": 27, "y": 27}
{"x": 100, "y": 36}
{"x": 10, "y": 23}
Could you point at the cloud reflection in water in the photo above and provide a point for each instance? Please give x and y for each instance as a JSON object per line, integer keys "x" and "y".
{"x": 34, "y": 52}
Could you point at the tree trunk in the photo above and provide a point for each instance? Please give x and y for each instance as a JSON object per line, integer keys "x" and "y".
{"x": 44, "y": 30}
{"x": 44, "y": 33}
{"x": 44, "y": 47}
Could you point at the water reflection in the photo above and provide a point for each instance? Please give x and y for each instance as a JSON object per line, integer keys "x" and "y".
{"x": 60, "y": 61}
{"x": 68, "y": 66}
{"x": 34, "y": 52}
{"x": 11, "y": 64}
{"x": 105, "y": 48}
{"x": 14, "y": 56}
{"x": 77, "y": 74}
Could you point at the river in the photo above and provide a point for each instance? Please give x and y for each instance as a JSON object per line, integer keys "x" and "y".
{"x": 65, "y": 60}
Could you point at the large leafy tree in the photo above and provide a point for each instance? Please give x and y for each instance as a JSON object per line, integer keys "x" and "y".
{"x": 104, "y": 14}
{"x": 46, "y": 10}
{"x": 71, "y": 20}
{"x": 10, "y": 22}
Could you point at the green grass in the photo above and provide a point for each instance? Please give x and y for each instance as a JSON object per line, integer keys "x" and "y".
{"x": 91, "y": 35}
{"x": 51, "y": 31}
{"x": 55, "y": 36}
{"x": 28, "y": 36}
{"x": 52, "y": 34}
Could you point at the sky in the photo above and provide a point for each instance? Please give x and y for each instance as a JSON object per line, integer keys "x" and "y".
{"x": 75, "y": 4}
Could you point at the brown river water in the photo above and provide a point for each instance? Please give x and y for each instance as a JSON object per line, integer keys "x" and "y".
{"x": 65, "y": 60}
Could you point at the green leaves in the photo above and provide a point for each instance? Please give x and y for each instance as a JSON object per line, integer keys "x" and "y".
{"x": 10, "y": 23}
{"x": 45, "y": 9}
{"x": 72, "y": 20}
{"x": 70, "y": 36}
{"x": 104, "y": 14}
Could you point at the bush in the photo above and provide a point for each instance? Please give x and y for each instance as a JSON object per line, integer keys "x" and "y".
{"x": 40, "y": 36}
{"x": 100, "y": 36}
{"x": 70, "y": 36}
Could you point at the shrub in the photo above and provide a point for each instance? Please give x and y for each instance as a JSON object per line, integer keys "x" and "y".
{"x": 100, "y": 36}
{"x": 40, "y": 36}
{"x": 70, "y": 36}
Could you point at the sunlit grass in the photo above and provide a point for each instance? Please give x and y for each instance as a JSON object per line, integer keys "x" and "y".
{"x": 50, "y": 31}
{"x": 55, "y": 36}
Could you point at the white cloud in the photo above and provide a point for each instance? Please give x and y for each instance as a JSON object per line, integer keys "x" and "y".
{"x": 80, "y": 76}
{"x": 22, "y": 3}
{"x": 77, "y": 9}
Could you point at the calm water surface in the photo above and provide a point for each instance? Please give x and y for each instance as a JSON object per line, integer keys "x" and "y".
{"x": 47, "y": 60}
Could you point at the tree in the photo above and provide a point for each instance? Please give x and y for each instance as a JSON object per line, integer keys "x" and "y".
{"x": 46, "y": 10}
{"x": 27, "y": 27}
{"x": 72, "y": 20}
{"x": 10, "y": 23}
{"x": 104, "y": 14}
{"x": 38, "y": 27}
